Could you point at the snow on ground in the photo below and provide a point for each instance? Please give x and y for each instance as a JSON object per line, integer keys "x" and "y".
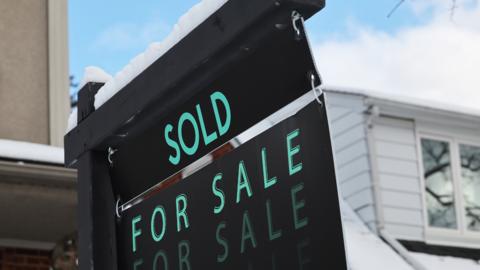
{"x": 365, "y": 251}
{"x": 194, "y": 17}
{"x": 31, "y": 151}
{"x": 445, "y": 263}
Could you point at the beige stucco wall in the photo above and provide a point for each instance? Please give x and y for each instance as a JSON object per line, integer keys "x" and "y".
{"x": 24, "y": 113}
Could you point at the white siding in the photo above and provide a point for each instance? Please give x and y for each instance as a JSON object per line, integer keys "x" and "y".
{"x": 349, "y": 138}
{"x": 400, "y": 195}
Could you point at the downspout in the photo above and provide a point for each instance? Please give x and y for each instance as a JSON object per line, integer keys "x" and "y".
{"x": 401, "y": 250}
{"x": 372, "y": 113}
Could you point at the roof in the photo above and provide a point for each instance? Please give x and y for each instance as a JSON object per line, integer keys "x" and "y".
{"x": 366, "y": 251}
{"x": 26, "y": 151}
{"x": 444, "y": 262}
{"x": 407, "y": 100}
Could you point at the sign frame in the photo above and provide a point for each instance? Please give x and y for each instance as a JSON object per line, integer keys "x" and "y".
{"x": 86, "y": 146}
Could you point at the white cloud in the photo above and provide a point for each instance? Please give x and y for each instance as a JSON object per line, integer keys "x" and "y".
{"x": 125, "y": 36}
{"x": 437, "y": 61}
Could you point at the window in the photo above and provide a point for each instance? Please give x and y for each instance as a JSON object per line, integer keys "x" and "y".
{"x": 470, "y": 161}
{"x": 438, "y": 178}
{"x": 451, "y": 174}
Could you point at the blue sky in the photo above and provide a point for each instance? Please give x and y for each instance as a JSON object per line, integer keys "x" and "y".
{"x": 109, "y": 33}
{"x": 420, "y": 52}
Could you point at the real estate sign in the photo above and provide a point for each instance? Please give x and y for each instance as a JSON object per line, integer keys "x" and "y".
{"x": 269, "y": 204}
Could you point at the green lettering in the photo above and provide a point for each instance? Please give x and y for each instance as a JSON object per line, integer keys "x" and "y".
{"x": 189, "y": 150}
{"x": 173, "y": 159}
{"x": 222, "y": 127}
{"x": 274, "y": 262}
{"x": 296, "y": 206}
{"x": 207, "y": 138}
{"x": 302, "y": 260}
{"x": 184, "y": 255}
{"x": 159, "y": 254}
{"x": 137, "y": 263}
{"x": 267, "y": 182}
{"x": 135, "y": 232}
{"x": 223, "y": 242}
{"x": 247, "y": 233}
{"x": 219, "y": 193}
{"x": 181, "y": 211}
{"x": 158, "y": 210}
{"x": 293, "y": 169}
{"x": 242, "y": 181}
{"x": 271, "y": 234}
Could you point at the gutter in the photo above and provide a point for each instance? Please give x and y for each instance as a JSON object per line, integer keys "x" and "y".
{"x": 36, "y": 174}
{"x": 401, "y": 250}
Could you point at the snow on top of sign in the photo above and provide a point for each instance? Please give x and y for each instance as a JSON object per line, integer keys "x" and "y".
{"x": 72, "y": 120}
{"x": 365, "y": 250}
{"x": 434, "y": 262}
{"x": 445, "y": 105}
{"x": 90, "y": 74}
{"x": 18, "y": 150}
{"x": 94, "y": 74}
{"x": 194, "y": 17}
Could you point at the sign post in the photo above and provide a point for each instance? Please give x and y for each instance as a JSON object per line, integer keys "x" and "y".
{"x": 245, "y": 211}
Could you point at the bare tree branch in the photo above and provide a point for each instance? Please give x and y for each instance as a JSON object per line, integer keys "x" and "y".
{"x": 453, "y": 7}
{"x": 436, "y": 169}
{"x": 395, "y": 8}
{"x": 439, "y": 198}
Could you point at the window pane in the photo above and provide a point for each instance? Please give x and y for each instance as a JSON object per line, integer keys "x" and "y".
{"x": 470, "y": 158}
{"x": 438, "y": 184}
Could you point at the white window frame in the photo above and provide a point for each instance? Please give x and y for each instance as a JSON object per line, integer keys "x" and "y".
{"x": 460, "y": 236}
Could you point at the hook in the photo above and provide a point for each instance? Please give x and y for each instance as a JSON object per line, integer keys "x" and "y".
{"x": 117, "y": 207}
{"x": 315, "y": 88}
{"x": 111, "y": 151}
{"x": 295, "y": 17}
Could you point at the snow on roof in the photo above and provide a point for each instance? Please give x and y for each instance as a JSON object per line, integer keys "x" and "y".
{"x": 18, "y": 150}
{"x": 194, "y": 17}
{"x": 445, "y": 263}
{"x": 365, "y": 251}
{"x": 411, "y": 100}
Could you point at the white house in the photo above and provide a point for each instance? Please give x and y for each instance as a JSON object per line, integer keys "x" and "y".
{"x": 410, "y": 170}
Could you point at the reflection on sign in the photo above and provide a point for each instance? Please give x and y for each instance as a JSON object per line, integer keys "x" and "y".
{"x": 270, "y": 204}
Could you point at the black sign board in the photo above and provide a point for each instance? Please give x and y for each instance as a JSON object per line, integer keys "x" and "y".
{"x": 270, "y": 204}
{"x": 272, "y": 69}
{"x": 244, "y": 62}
